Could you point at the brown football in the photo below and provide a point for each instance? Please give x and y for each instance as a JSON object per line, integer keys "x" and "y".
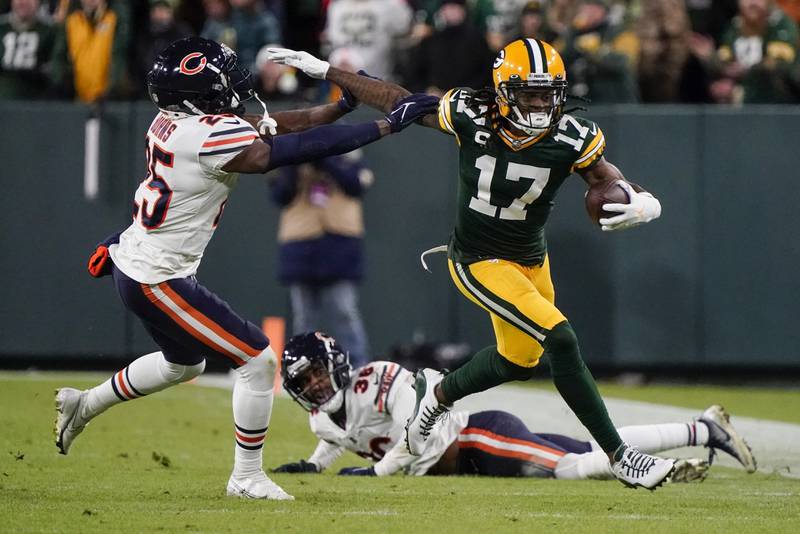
{"x": 604, "y": 193}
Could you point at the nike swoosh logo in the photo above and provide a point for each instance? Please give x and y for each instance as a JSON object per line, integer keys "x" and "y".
{"x": 403, "y": 111}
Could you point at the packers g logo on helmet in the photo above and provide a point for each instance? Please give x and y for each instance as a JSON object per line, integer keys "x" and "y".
{"x": 528, "y": 69}
{"x": 499, "y": 59}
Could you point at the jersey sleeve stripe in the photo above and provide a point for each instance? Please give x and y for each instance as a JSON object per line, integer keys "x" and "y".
{"x": 233, "y": 131}
{"x": 593, "y": 143}
{"x": 386, "y": 382}
{"x": 445, "y": 120}
{"x": 223, "y": 151}
{"x": 595, "y": 149}
{"x": 209, "y": 144}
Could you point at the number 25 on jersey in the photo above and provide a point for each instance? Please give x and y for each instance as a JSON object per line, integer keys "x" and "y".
{"x": 157, "y": 193}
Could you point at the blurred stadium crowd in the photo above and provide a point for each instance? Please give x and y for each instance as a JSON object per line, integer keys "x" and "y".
{"x": 616, "y": 51}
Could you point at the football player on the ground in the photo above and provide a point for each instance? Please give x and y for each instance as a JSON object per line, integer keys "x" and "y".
{"x": 364, "y": 411}
{"x": 196, "y": 146}
{"x": 517, "y": 146}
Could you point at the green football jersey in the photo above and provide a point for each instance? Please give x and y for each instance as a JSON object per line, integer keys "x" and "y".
{"x": 24, "y": 50}
{"x": 778, "y": 42}
{"x": 507, "y": 185}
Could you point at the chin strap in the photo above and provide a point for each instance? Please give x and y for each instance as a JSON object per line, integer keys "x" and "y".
{"x": 266, "y": 122}
{"x": 192, "y": 107}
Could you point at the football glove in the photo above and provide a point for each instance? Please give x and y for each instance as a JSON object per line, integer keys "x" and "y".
{"x": 100, "y": 262}
{"x": 314, "y": 67}
{"x": 347, "y": 102}
{"x": 643, "y": 207}
{"x": 411, "y": 108}
{"x": 297, "y": 467}
{"x": 358, "y": 471}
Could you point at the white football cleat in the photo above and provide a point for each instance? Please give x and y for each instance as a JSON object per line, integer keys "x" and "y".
{"x": 637, "y": 469}
{"x": 69, "y": 423}
{"x": 257, "y": 486}
{"x": 689, "y": 470}
{"x": 722, "y": 436}
{"x": 427, "y": 410}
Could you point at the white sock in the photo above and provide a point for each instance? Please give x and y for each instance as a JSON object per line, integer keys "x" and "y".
{"x": 657, "y": 438}
{"x": 252, "y": 408}
{"x": 698, "y": 433}
{"x": 593, "y": 464}
{"x": 145, "y": 375}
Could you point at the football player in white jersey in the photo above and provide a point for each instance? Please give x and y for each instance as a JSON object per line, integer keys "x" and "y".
{"x": 196, "y": 146}
{"x": 365, "y": 411}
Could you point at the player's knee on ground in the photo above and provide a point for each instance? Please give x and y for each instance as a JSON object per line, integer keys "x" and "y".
{"x": 258, "y": 374}
{"x": 175, "y": 373}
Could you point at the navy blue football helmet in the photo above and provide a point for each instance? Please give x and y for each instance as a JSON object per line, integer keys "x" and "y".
{"x": 199, "y": 77}
{"x": 315, "y": 371}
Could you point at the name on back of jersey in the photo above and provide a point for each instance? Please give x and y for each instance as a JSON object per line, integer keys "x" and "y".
{"x": 162, "y": 127}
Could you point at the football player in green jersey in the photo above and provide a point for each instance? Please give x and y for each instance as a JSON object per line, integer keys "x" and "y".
{"x": 516, "y": 148}
{"x": 26, "y": 43}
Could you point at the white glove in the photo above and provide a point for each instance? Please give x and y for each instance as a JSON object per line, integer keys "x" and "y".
{"x": 642, "y": 208}
{"x": 316, "y": 68}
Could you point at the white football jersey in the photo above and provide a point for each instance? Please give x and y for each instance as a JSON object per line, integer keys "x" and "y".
{"x": 378, "y": 402}
{"x": 179, "y": 204}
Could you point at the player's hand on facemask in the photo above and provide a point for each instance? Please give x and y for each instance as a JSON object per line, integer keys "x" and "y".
{"x": 411, "y": 108}
{"x": 314, "y": 67}
{"x": 358, "y": 471}
{"x": 643, "y": 207}
{"x": 297, "y": 467}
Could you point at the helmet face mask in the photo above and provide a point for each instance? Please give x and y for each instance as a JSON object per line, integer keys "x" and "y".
{"x": 198, "y": 76}
{"x": 533, "y": 107}
{"x": 242, "y": 86}
{"x": 315, "y": 371}
{"x": 313, "y": 385}
{"x": 531, "y": 85}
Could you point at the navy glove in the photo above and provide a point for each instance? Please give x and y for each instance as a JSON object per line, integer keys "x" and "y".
{"x": 358, "y": 471}
{"x": 411, "y": 108}
{"x": 347, "y": 102}
{"x": 297, "y": 467}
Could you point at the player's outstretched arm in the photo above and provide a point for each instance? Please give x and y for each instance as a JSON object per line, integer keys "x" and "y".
{"x": 376, "y": 93}
{"x": 299, "y": 120}
{"x": 328, "y": 140}
{"x": 642, "y": 208}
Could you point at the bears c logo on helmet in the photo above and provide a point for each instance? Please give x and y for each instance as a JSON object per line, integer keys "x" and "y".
{"x": 201, "y": 64}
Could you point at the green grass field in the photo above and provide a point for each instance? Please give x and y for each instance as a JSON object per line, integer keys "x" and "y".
{"x": 160, "y": 465}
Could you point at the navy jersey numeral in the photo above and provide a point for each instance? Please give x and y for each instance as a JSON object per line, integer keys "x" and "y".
{"x": 153, "y": 216}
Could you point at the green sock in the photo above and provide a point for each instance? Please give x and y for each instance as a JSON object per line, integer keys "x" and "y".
{"x": 577, "y": 386}
{"x": 485, "y": 370}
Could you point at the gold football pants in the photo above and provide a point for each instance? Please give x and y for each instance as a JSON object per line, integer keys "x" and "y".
{"x": 519, "y": 299}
